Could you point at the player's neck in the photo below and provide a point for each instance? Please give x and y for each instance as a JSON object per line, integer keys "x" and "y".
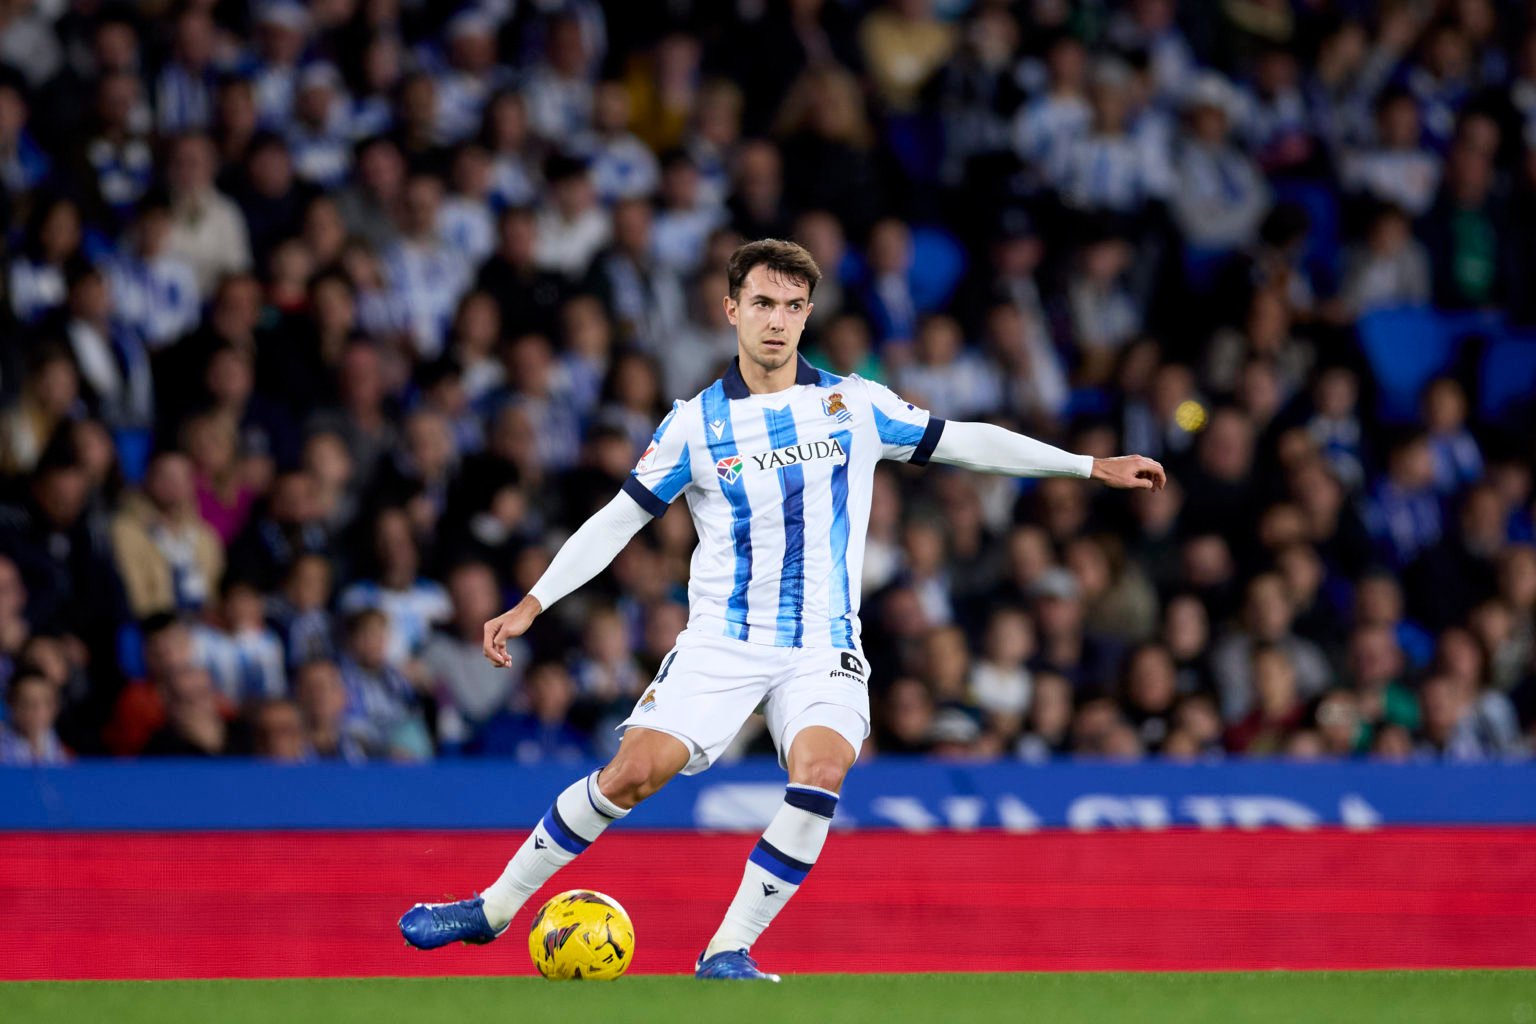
{"x": 760, "y": 381}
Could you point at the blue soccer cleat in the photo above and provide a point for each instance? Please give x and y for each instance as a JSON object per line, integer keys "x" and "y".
{"x": 731, "y": 965}
{"x": 430, "y": 925}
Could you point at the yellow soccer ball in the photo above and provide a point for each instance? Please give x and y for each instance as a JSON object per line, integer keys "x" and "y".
{"x": 581, "y": 935}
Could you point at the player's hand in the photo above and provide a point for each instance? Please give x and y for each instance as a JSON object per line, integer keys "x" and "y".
{"x": 506, "y": 626}
{"x": 1131, "y": 472}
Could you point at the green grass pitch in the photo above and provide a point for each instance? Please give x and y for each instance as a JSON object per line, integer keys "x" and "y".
{"x": 1283, "y": 997}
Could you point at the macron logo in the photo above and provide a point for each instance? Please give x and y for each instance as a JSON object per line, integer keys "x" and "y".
{"x": 805, "y": 451}
{"x": 718, "y": 427}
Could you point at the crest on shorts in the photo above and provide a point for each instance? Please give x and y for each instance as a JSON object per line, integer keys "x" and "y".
{"x": 648, "y": 702}
{"x": 833, "y": 406}
{"x": 729, "y": 468}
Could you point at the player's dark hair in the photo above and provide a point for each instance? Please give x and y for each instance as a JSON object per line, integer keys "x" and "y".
{"x": 788, "y": 259}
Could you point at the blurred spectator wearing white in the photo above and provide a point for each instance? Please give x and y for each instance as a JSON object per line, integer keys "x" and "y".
{"x": 686, "y": 217}
{"x": 622, "y": 166}
{"x": 646, "y": 297}
{"x": 1110, "y": 167}
{"x": 317, "y": 135}
{"x": 467, "y": 223}
{"x": 154, "y": 293}
{"x": 116, "y": 381}
{"x": 282, "y": 30}
{"x": 28, "y": 737}
{"x": 472, "y": 75}
{"x": 184, "y": 90}
{"x": 412, "y": 605}
{"x": 242, "y": 655}
{"x": 207, "y": 229}
{"x": 1152, "y": 25}
{"x": 944, "y": 376}
{"x": 424, "y": 270}
{"x": 515, "y": 175}
{"x": 36, "y": 275}
{"x": 1105, "y": 314}
{"x": 1458, "y": 460}
{"x": 1221, "y": 196}
{"x": 1397, "y": 169}
{"x": 1048, "y": 124}
{"x": 1390, "y": 270}
{"x": 559, "y": 89}
{"x": 1266, "y": 621}
{"x": 382, "y": 707}
{"x": 572, "y": 226}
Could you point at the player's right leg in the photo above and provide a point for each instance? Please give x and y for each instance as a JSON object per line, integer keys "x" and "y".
{"x": 646, "y": 760}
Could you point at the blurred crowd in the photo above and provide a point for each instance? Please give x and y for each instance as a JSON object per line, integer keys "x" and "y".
{"x": 324, "y": 324}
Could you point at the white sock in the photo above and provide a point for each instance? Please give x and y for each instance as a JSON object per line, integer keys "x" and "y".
{"x": 575, "y": 820}
{"x": 777, "y": 866}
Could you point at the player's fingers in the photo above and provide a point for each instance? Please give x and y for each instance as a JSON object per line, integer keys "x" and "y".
{"x": 492, "y": 655}
{"x": 1158, "y": 476}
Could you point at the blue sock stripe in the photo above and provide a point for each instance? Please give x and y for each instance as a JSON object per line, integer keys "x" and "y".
{"x": 593, "y": 801}
{"x": 561, "y": 833}
{"x": 814, "y": 800}
{"x": 776, "y": 862}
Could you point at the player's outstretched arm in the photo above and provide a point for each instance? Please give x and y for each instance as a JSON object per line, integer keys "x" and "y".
{"x": 992, "y": 449}
{"x": 583, "y": 556}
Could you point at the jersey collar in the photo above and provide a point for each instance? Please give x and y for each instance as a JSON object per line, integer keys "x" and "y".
{"x": 735, "y": 387}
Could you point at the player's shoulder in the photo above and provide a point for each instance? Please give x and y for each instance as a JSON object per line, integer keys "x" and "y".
{"x": 870, "y": 389}
{"x": 687, "y": 412}
{"x": 828, "y": 379}
{"x": 688, "y": 407}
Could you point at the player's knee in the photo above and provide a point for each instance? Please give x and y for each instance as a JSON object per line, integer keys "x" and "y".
{"x": 822, "y": 772}
{"x": 628, "y": 780}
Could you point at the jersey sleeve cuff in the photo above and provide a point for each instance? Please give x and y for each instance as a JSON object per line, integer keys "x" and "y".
{"x": 644, "y": 497}
{"x": 929, "y": 441}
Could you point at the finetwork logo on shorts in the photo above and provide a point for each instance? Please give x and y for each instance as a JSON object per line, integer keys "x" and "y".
{"x": 729, "y": 468}
{"x": 852, "y": 668}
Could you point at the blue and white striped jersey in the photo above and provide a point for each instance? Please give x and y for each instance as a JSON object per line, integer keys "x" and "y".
{"x": 779, "y": 488}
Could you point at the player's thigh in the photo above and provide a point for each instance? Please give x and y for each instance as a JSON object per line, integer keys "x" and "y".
{"x": 827, "y": 687}
{"x": 703, "y": 692}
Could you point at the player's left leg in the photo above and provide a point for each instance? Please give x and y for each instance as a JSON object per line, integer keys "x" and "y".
{"x": 818, "y": 760}
{"x": 818, "y": 718}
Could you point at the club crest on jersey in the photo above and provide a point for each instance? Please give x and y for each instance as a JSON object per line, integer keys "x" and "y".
{"x": 648, "y": 702}
{"x": 833, "y": 406}
{"x": 729, "y": 468}
{"x": 803, "y": 451}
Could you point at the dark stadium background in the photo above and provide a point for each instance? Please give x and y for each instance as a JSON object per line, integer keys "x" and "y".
{"x": 323, "y": 325}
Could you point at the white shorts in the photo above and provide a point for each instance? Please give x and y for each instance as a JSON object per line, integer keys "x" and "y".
{"x": 708, "y": 686}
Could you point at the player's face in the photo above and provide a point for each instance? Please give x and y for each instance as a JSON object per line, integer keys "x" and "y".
{"x": 769, "y": 316}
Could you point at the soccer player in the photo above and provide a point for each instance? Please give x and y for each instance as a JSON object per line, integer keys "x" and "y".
{"x": 777, "y": 460}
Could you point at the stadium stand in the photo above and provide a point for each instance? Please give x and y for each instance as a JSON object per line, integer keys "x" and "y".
{"x": 324, "y": 325}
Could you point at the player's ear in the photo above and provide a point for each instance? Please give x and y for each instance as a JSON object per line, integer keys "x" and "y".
{"x": 730, "y": 309}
